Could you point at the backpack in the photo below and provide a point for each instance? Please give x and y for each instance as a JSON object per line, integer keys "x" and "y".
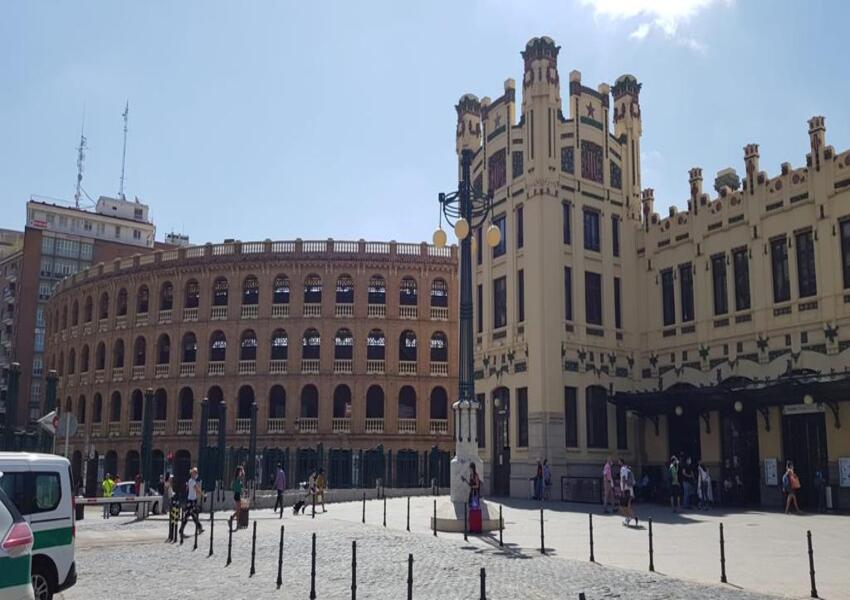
{"x": 795, "y": 481}
{"x": 630, "y": 478}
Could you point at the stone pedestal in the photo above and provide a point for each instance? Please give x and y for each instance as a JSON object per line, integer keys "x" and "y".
{"x": 466, "y": 450}
{"x": 450, "y": 516}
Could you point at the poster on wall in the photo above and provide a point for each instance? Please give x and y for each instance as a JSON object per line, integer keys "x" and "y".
{"x": 771, "y": 476}
{"x": 844, "y": 472}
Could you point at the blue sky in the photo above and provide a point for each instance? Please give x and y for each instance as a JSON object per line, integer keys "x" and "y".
{"x": 278, "y": 120}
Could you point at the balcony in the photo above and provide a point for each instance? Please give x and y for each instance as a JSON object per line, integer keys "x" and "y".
{"x": 310, "y": 365}
{"x": 141, "y": 319}
{"x": 99, "y": 376}
{"x": 184, "y": 426}
{"x": 96, "y": 430}
{"x": 121, "y": 322}
{"x": 407, "y": 367}
{"x": 218, "y": 313}
{"x": 70, "y": 380}
{"x": 344, "y": 311}
{"x": 117, "y": 373}
{"x": 439, "y": 313}
{"x": 374, "y": 426}
{"x": 313, "y": 309}
{"x": 87, "y": 328}
{"x": 135, "y": 428}
{"x": 160, "y": 371}
{"x": 165, "y": 315}
{"x": 190, "y": 314}
{"x": 407, "y": 425}
{"x": 343, "y": 366}
{"x": 159, "y": 427}
{"x": 308, "y": 425}
{"x": 277, "y": 367}
{"x": 440, "y": 368}
{"x": 139, "y": 372}
{"x": 215, "y": 367}
{"x": 249, "y": 311}
{"x": 103, "y": 325}
{"x": 375, "y": 367}
{"x": 407, "y": 312}
{"x": 212, "y": 426}
{"x": 243, "y": 425}
{"x": 247, "y": 367}
{"x": 341, "y": 424}
{"x": 376, "y": 311}
{"x": 114, "y": 429}
{"x": 280, "y": 311}
{"x": 84, "y": 378}
{"x": 439, "y": 426}
{"x": 277, "y": 425}
{"x": 187, "y": 369}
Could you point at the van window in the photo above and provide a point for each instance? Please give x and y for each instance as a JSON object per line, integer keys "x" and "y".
{"x": 13, "y": 485}
{"x": 33, "y": 491}
{"x": 48, "y": 491}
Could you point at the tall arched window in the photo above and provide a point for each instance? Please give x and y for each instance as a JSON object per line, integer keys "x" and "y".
{"x": 115, "y": 407}
{"x": 72, "y": 361}
{"x": 160, "y": 405}
{"x": 218, "y": 347}
{"x": 277, "y": 402}
{"x": 407, "y": 292}
{"x": 139, "y": 349}
{"x": 163, "y": 350}
{"x": 190, "y": 347}
{"x": 248, "y": 345}
{"x": 81, "y": 410}
{"x": 118, "y": 354}
{"x": 193, "y": 294}
{"x": 88, "y": 310}
{"x": 62, "y": 364}
{"x": 121, "y": 303}
{"x": 407, "y": 403}
{"x": 250, "y": 290}
{"x": 596, "y": 409}
{"x": 342, "y": 402}
{"x": 343, "y": 345}
{"x": 309, "y": 402}
{"x": 187, "y": 404}
{"x": 312, "y": 344}
{"x": 313, "y": 289}
{"x": 166, "y": 296}
{"x": 75, "y": 314}
{"x": 345, "y": 289}
{"x": 97, "y": 408}
{"x": 407, "y": 346}
{"x": 245, "y": 399}
{"x": 143, "y": 300}
{"x": 214, "y": 399}
{"x": 100, "y": 357}
{"x": 376, "y": 345}
{"x": 137, "y": 405}
{"x": 439, "y": 347}
{"x": 280, "y": 345}
{"x": 220, "y": 292}
{"x": 375, "y": 402}
{"x": 65, "y": 316}
{"x": 84, "y": 359}
{"x": 377, "y": 290}
{"x": 280, "y": 291}
{"x": 439, "y": 293}
{"x": 440, "y": 404}
{"x": 103, "y": 306}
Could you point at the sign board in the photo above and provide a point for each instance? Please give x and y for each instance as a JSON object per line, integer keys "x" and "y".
{"x": 38, "y": 223}
{"x": 50, "y": 422}
{"x": 771, "y": 471}
{"x": 67, "y": 425}
{"x": 802, "y": 409}
{"x": 844, "y": 472}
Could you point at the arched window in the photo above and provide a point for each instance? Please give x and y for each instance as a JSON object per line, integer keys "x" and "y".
{"x": 160, "y": 405}
{"x": 61, "y": 363}
{"x": 72, "y": 361}
{"x": 313, "y": 289}
{"x": 342, "y": 402}
{"x": 81, "y": 410}
{"x": 439, "y": 347}
{"x": 143, "y": 297}
{"x": 280, "y": 292}
{"x": 440, "y": 404}
{"x": 190, "y": 347}
{"x": 193, "y": 294}
{"x": 245, "y": 400}
{"x": 377, "y": 290}
{"x": 309, "y": 402}
{"x": 121, "y": 303}
{"x": 65, "y": 316}
{"x": 345, "y": 289}
{"x": 277, "y": 402}
{"x": 103, "y": 306}
{"x": 218, "y": 347}
{"x": 84, "y": 359}
{"x": 118, "y": 354}
{"x": 75, "y": 314}
{"x": 248, "y": 345}
{"x": 88, "y": 310}
{"x": 375, "y": 402}
{"x": 439, "y": 293}
{"x": 376, "y": 345}
{"x": 343, "y": 345}
{"x": 69, "y": 405}
{"x": 100, "y": 357}
{"x": 312, "y": 344}
{"x": 407, "y": 292}
{"x": 97, "y": 408}
{"x": 407, "y": 346}
{"x": 407, "y": 403}
{"x": 280, "y": 345}
{"x": 214, "y": 399}
{"x": 139, "y": 349}
{"x": 163, "y": 350}
{"x": 137, "y": 405}
{"x": 115, "y": 408}
{"x": 250, "y": 290}
{"x": 166, "y": 296}
{"x": 596, "y": 409}
{"x": 187, "y": 404}
{"x": 220, "y": 292}
{"x": 131, "y": 465}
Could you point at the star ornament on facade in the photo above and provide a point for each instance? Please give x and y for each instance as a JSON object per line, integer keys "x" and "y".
{"x": 590, "y": 110}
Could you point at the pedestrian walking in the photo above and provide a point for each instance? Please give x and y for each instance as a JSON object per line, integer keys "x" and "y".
{"x": 627, "y": 488}
{"x": 538, "y": 482}
{"x": 167, "y": 492}
{"x": 706, "y": 495}
{"x": 106, "y": 488}
{"x": 675, "y": 484}
{"x": 547, "y": 480}
{"x": 687, "y": 478}
{"x": 607, "y": 486}
{"x": 279, "y": 486}
{"x": 194, "y": 494}
{"x": 138, "y": 482}
{"x": 474, "y": 486}
{"x": 238, "y": 487}
{"x": 321, "y": 486}
{"x": 790, "y": 485}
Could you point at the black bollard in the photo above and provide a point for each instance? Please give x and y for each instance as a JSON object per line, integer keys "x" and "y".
{"x": 581, "y": 596}
{"x": 483, "y": 584}
{"x": 354, "y": 570}
{"x": 501, "y": 526}
{"x": 651, "y": 561}
{"x": 195, "y": 547}
{"x": 542, "y": 544}
{"x": 814, "y": 593}
{"x": 385, "y": 511}
{"x": 364, "y": 507}
{"x": 313, "y": 570}
{"x": 435, "y": 518}
{"x": 229, "y": 541}
{"x": 314, "y": 506}
{"x": 409, "y": 577}
{"x": 253, "y": 550}
{"x": 408, "y": 513}
{"x": 722, "y": 556}
{"x": 465, "y": 522}
{"x": 280, "y": 559}
{"x": 590, "y": 519}
{"x": 212, "y": 524}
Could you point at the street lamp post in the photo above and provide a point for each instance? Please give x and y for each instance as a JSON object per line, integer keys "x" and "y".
{"x": 203, "y": 442}
{"x": 48, "y": 440}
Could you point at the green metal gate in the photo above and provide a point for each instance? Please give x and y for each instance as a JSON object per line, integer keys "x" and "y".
{"x": 407, "y": 469}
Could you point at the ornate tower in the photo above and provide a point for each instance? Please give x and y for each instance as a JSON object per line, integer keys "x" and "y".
{"x": 468, "y": 123}
{"x": 627, "y": 128}
{"x": 541, "y": 98}
{"x": 751, "y": 160}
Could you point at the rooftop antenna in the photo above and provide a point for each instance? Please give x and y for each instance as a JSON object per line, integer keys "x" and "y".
{"x": 81, "y": 157}
{"x": 124, "y": 152}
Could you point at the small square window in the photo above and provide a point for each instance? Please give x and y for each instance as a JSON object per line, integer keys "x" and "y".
{"x": 788, "y": 340}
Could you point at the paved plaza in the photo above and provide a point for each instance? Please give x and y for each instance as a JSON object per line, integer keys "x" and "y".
{"x": 766, "y": 556}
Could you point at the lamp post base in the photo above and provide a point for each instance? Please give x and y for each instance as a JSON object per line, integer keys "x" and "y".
{"x": 450, "y": 516}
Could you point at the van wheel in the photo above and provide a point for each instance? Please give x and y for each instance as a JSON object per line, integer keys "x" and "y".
{"x": 114, "y": 509}
{"x": 42, "y": 584}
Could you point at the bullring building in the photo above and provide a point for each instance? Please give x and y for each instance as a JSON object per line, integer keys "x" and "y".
{"x": 346, "y": 348}
{"x": 720, "y": 330}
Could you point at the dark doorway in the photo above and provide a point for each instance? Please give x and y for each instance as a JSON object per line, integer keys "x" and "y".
{"x": 501, "y": 442}
{"x": 804, "y": 442}
{"x": 339, "y": 467}
{"x": 373, "y": 467}
{"x": 182, "y": 465}
{"x": 683, "y": 435}
{"x": 407, "y": 469}
{"x": 307, "y": 461}
{"x": 132, "y": 466}
{"x": 739, "y": 448}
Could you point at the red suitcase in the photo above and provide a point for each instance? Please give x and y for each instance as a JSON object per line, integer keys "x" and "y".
{"x": 475, "y": 520}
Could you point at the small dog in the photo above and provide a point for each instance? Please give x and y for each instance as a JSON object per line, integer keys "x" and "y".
{"x": 301, "y": 505}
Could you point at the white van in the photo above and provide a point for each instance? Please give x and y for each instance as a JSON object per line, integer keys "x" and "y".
{"x": 40, "y": 486}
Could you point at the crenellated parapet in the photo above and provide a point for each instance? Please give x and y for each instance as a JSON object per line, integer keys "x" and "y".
{"x": 468, "y": 123}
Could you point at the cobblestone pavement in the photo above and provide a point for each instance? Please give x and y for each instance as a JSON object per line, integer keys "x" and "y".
{"x": 134, "y": 558}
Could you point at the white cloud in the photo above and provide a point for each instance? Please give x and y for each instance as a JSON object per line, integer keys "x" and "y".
{"x": 664, "y": 16}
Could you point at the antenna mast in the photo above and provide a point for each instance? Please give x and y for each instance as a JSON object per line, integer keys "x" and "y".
{"x": 81, "y": 157}
{"x": 124, "y": 152}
